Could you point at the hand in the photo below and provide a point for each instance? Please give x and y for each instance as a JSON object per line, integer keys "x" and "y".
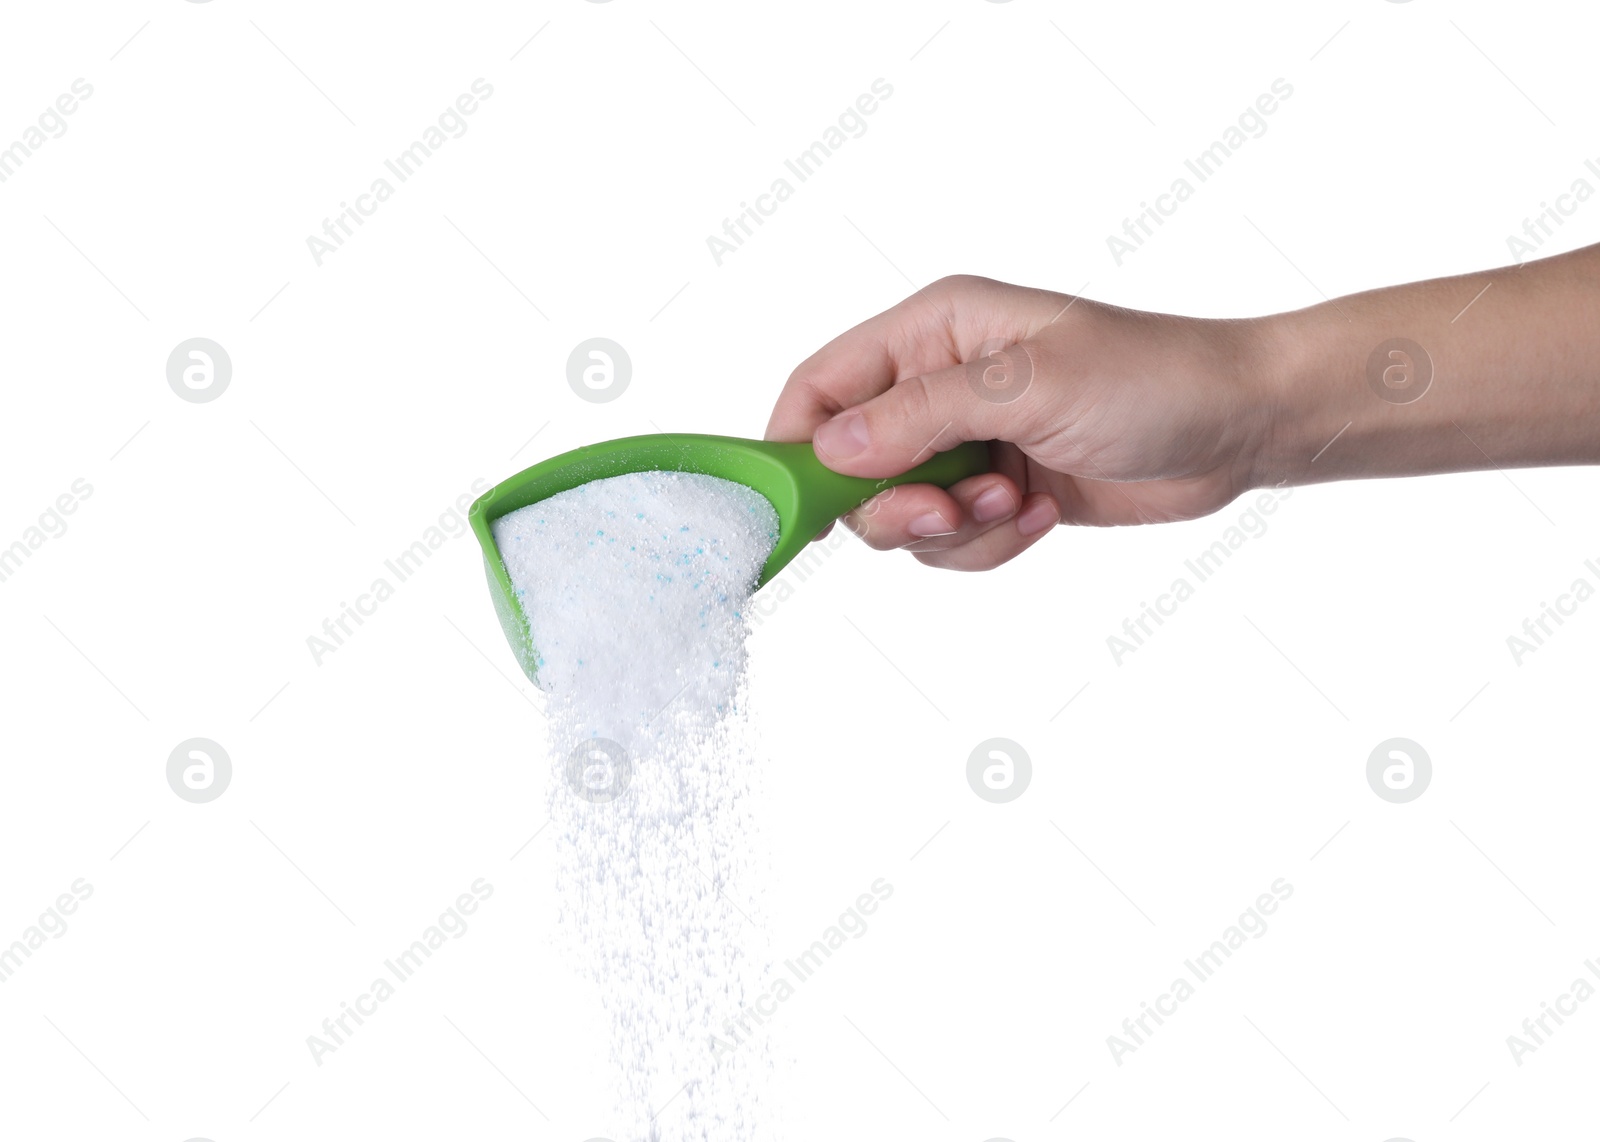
{"x": 1098, "y": 415}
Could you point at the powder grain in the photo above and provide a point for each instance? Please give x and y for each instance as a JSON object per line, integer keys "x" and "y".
{"x": 635, "y": 589}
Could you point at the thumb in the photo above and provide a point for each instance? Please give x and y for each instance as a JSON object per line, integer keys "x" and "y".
{"x": 918, "y": 416}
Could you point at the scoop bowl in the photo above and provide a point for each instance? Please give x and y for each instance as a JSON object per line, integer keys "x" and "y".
{"x": 806, "y": 495}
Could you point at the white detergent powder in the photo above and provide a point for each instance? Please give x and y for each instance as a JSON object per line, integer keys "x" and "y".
{"x": 635, "y": 588}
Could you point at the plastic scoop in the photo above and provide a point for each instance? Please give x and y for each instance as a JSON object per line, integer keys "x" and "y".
{"x": 806, "y": 495}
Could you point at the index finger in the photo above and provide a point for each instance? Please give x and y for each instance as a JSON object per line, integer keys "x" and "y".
{"x": 909, "y": 338}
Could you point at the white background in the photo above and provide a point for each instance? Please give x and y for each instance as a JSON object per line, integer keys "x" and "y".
{"x": 370, "y": 392}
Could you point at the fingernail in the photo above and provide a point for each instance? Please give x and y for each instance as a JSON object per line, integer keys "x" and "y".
{"x": 843, "y": 436}
{"x": 929, "y": 524}
{"x": 1036, "y": 517}
{"x": 994, "y": 504}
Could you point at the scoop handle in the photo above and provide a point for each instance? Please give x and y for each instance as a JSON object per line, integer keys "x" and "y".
{"x": 946, "y": 468}
{"x": 827, "y": 495}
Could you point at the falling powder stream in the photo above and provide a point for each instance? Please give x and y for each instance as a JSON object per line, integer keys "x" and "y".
{"x": 634, "y": 588}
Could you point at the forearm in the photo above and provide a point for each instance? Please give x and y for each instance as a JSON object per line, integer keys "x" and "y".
{"x": 1514, "y": 356}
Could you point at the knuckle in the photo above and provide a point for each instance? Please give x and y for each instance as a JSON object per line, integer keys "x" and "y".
{"x": 803, "y": 383}
{"x": 876, "y": 534}
{"x": 963, "y": 283}
{"x": 916, "y": 400}
{"x": 875, "y": 505}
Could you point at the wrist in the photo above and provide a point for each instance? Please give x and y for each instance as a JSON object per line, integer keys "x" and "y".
{"x": 1284, "y": 368}
{"x": 1338, "y": 395}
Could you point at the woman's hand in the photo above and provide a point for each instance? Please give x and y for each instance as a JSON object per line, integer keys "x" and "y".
{"x": 1109, "y": 416}
{"x": 1101, "y": 416}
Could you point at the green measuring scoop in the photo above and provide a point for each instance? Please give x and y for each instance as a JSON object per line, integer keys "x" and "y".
{"x": 806, "y": 495}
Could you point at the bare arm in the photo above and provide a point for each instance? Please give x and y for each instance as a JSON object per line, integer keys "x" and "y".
{"x": 1503, "y": 370}
{"x": 1100, "y": 415}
